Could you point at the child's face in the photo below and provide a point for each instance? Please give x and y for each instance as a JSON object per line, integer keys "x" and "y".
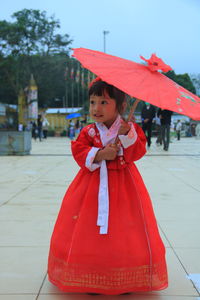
{"x": 103, "y": 109}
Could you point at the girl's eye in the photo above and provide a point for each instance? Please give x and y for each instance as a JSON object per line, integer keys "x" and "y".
{"x": 104, "y": 102}
{"x": 91, "y": 102}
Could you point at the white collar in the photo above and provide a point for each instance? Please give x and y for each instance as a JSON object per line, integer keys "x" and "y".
{"x": 108, "y": 135}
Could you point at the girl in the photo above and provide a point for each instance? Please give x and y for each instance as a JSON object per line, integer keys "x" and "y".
{"x": 106, "y": 239}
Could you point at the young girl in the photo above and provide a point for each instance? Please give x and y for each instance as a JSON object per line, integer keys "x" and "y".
{"x": 106, "y": 239}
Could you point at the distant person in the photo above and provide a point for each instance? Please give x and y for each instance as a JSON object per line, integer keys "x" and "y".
{"x": 20, "y": 127}
{"x": 71, "y": 130}
{"x": 165, "y": 119}
{"x": 29, "y": 126}
{"x": 178, "y": 130}
{"x": 81, "y": 126}
{"x": 34, "y": 130}
{"x": 197, "y": 130}
{"x": 147, "y": 115}
{"x": 77, "y": 127}
{"x": 39, "y": 127}
{"x": 45, "y": 125}
{"x": 193, "y": 129}
{"x": 158, "y": 131}
{"x": 188, "y": 129}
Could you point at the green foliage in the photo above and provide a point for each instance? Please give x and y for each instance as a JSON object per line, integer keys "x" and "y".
{"x": 32, "y": 33}
{"x": 182, "y": 79}
{"x": 30, "y": 45}
{"x": 196, "y": 82}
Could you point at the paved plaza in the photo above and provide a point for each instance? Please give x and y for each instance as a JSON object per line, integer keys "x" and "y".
{"x": 32, "y": 188}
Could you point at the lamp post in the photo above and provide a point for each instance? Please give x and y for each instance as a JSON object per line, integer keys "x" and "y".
{"x": 104, "y": 40}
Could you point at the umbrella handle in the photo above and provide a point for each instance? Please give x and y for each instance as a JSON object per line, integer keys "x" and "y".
{"x": 133, "y": 109}
{"x": 129, "y": 117}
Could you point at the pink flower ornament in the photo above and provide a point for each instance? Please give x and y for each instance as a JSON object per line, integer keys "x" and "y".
{"x": 91, "y": 132}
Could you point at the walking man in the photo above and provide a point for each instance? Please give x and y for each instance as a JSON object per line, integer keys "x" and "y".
{"x": 147, "y": 115}
{"x": 178, "y": 130}
{"x": 165, "y": 119}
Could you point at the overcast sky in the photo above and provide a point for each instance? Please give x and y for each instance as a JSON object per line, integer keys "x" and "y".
{"x": 169, "y": 28}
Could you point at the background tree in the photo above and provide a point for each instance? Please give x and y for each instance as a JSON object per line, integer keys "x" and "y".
{"x": 30, "y": 45}
{"x": 196, "y": 82}
{"x": 182, "y": 79}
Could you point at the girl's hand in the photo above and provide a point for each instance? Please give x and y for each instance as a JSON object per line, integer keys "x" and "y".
{"x": 146, "y": 120}
{"x": 108, "y": 153}
{"x": 133, "y": 119}
{"x": 124, "y": 128}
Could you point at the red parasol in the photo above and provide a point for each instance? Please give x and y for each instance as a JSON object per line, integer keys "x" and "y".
{"x": 143, "y": 82}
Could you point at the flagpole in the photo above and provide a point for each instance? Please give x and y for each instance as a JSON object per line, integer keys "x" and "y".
{"x": 104, "y": 40}
{"x": 78, "y": 86}
{"x": 83, "y": 86}
{"x": 72, "y": 87}
{"x": 66, "y": 94}
{"x": 72, "y": 84}
{"x": 66, "y": 76}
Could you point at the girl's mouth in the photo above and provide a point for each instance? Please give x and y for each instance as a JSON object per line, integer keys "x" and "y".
{"x": 98, "y": 116}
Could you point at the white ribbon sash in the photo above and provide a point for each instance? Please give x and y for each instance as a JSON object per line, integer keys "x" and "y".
{"x": 107, "y": 136}
{"x": 103, "y": 199}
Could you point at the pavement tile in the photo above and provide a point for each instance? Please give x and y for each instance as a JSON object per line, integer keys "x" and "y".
{"x": 25, "y": 233}
{"x": 29, "y": 212}
{"x": 39, "y": 182}
{"x": 22, "y": 269}
{"x": 182, "y": 234}
{"x": 37, "y": 194}
{"x": 9, "y": 191}
{"x": 18, "y": 297}
{"x": 179, "y": 284}
{"x": 190, "y": 258}
{"x": 178, "y": 212}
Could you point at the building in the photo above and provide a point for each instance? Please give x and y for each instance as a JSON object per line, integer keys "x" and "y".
{"x": 57, "y": 117}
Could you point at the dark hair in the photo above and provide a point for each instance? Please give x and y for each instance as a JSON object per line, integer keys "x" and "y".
{"x": 100, "y": 88}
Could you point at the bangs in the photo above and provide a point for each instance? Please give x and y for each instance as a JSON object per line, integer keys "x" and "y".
{"x": 101, "y": 88}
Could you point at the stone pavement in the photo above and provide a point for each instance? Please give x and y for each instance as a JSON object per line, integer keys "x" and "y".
{"x": 32, "y": 188}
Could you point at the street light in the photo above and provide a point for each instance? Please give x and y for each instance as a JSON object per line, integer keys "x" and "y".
{"x": 104, "y": 39}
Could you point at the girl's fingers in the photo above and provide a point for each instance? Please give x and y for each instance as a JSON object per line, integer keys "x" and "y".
{"x": 115, "y": 146}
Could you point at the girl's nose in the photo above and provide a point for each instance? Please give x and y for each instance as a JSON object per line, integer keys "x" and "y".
{"x": 96, "y": 107}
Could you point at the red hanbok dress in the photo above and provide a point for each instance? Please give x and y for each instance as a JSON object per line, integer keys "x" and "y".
{"x": 106, "y": 239}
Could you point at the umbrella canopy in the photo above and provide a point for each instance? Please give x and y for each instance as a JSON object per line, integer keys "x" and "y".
{"x": 143, "y": 82}
{"x": 73, "y": 115}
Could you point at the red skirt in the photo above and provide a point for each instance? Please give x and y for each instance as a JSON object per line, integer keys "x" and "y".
{"x": 130, "y": 258}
